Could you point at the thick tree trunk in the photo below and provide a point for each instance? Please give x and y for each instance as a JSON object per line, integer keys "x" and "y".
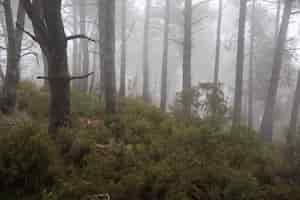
{"x": 84, "y": 45}
{"x": 107, "y": 49}
{"x": 146, "y": 89}
{"x": 187, "y": 56}
{"x": 8, "y": 96}
{"x": 294, "y": 114}
{"x": 164, "y": 73}
{"x": 217, "y": 58}
{"x": 49, "y": 33}
{"x": 267, "y": 122}
{"x": 237, "y": 110}
{"x": 59, "y": 88}
{"x": 251, "y": 65}
{"x": 123, "y": 49}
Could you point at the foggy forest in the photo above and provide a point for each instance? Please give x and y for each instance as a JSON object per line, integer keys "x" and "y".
{"x": 149, "y": 99}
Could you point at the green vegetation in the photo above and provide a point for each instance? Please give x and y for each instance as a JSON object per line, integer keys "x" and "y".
{"x": 140, "y": 153}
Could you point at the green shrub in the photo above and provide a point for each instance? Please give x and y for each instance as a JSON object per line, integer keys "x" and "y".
{"x": 27, "y": 161}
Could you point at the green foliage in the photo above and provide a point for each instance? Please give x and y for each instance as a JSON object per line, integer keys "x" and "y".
{"x": 28, "y": 161}
{"x": 32, "y": 100}
{"x": 142, "y": 153}
{"x": 85, "y": 105}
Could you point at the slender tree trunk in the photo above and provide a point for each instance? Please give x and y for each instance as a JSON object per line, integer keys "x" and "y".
{"x": 294, "y": 114}
{"x": 187, "y": 56}
{"x": 84, "y": 45}
{"x": 146, "y": 89}
{"x": 2, "y": 76}
{"x": 251, "y": 65}
{"x": 239, "y": 66}
{"x": 164, "y": 73}
{"x": 107, "y": 46}
{"x": 123, "y": 49}
{"x": 277, "y": 22}
{"x": 268, "y": 120}
{"x": 92, "y": 84}
{"x": 217, "y": 58}
{"x": 19, "y": 36}
{"x": 76, "y": 57}
{"x": 8, "y": 96}
{"x": 46, "y": 69}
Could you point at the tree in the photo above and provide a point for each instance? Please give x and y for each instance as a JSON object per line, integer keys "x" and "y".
{"x": 251, "y": 60}
{"x": 75, "y": 49}
{"x": 50, "y": 35}
{"x": 146, "y": 89}
{"x": 84, "y": 46}
{"x": 239, "y": 65}
{"x": 123, "y": 48}
{"x": 217, "y": 56}
{"x": 267, "y": 121}
{"x": 8, "y": 95}
{"x": 294, "y": 114}
{"x": 107, "y": 49}
{"x": 164, "y": 73}
{"x": 187, "y": 55}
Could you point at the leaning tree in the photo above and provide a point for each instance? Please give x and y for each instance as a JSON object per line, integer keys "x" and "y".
{"x": 49, "y": 33}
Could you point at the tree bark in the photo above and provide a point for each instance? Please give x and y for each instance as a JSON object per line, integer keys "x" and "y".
{"x": 76, "y": 57}
{"x": 268, "y": 120}
{"x": 84, "y": 45}
{"x": 8, "y": 96}
{"x": 217, "y": 58}
{"x": 146, "y": 89}
{"x": 251, "y": 65}
{"x": 277, "y": 22}
{"x": 107, "y": 49}
{"x": 239, "y": 66}
{"x": 294, "y": 114}
{"x": 123, "y": 49}
{"x": 164, "y": 73}
{"x": 187, "y": 56}
{"x": 49, "y": 33}
{"x": 19, "y": 36}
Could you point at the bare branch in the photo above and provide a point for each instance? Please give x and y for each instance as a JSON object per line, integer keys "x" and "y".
{"x": 83, "y": 76}
{"x": 35, "y": 54}
{"x": 27, "y": 33}
{"x": 65, "y": 77}
{"x": 79, "y": 36}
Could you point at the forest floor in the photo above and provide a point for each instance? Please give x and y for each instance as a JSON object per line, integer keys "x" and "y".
{"x": 140, "y": 153}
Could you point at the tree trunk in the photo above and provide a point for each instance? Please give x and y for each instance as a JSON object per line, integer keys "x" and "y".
{"x": 59, "y": 88}
{"x": 107, "y": 49}
{"x": 76, "y": 58}
{"x": 164, "y": 73}
{"x": 146, "y": 89}
{"x": 251, "y": 65}
{"x": 187, "y": 56}
{"x": 8, "y": 96}
{"x": 123, "y": 49}
{"x": 277, "y": 22}
{"x": 217, "y": 58}
{"x": 84, "y": 45}
{"x": 49, "y": 33}
{"x": 19, "y": 36}
{"x": 267, "y": 122}
{"x": 239, "y": 66}
{"x": 294, "y": 114}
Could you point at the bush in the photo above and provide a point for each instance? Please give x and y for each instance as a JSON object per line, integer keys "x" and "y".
{"x": 27, "y": 161}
